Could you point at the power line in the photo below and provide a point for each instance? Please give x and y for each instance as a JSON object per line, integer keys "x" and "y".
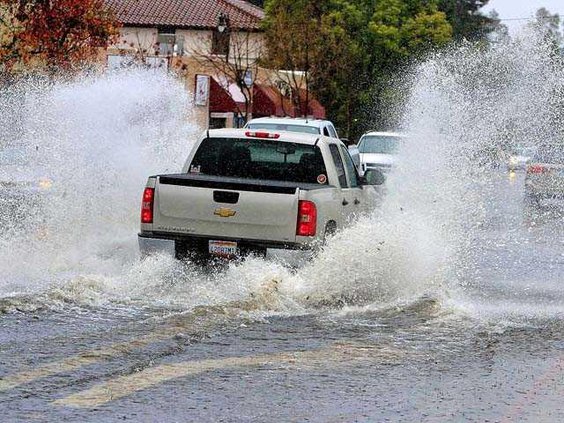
{"x": 531, "y": 18}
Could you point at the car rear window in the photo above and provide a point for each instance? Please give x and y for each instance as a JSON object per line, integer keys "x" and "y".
{"x": 284, "y": 127}
{"x": 259, "y": 159}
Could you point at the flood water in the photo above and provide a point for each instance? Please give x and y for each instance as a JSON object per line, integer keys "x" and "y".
{"x": 445, "y": 304}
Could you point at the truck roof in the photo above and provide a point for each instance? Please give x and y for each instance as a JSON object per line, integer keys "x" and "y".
{"x": 295, "y": 137}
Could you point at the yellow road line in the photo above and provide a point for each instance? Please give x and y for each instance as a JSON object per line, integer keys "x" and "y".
{"x": 77, "y": 361}
{"x": 339, "y": 352}
{"x": 119, "y": 349}
{"x": 91, "y": 357}
{"x": 127, "y": 385}
{"x": 181, "y": 323}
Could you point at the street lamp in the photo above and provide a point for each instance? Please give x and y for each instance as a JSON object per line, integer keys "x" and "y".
{"x": 222, "y": 22}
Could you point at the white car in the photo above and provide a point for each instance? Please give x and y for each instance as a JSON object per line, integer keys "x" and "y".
{"x": 378, "y": 150}
{"x": 303, "y": 125}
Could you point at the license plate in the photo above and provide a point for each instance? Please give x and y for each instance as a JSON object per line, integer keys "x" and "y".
{"x": 223, "y": 248}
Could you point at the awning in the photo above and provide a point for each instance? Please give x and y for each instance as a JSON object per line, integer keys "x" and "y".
{"x": 269, "y": 101}
{"x": 314, "y": 108}
{"x": 220, "y": 99}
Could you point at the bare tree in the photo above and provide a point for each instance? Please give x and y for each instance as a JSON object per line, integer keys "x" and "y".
{"x": 291, "y": 84}
{"x": 234, "y": 57}
{"x": 141, "y": 49}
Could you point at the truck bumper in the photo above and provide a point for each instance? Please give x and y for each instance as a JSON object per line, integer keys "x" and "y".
{"x": 173, "y": 244}
{"x": 148, "y": 246}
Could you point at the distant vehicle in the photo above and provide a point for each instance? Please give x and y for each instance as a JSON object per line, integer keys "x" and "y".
{"x": 22, "y": 185}
{"x": 306, "y": 126}
{"x": 378, "y": 150}
{"x": 545, "y": 176}
{"x": 520, "y": 158}
{"x": 18, "y": 173}
{"x": 245, "y": 190}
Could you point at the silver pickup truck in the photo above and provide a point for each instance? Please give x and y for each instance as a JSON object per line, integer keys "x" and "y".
{"x": 242, "y": 191}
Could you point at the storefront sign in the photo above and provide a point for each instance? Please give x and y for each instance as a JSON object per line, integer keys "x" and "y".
{"x": 202, "y": 90}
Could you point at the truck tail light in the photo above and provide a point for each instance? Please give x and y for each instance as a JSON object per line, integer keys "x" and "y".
{"x": 258, "y": 134}
{"x": 307, "y": 218}
{"x": 537, "y": 168}
{"x": 147, "y": 205}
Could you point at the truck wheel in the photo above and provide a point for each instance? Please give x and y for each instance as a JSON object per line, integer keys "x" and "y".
{"x": 186, "y": 250}
{"x": 330, "y": 230}
{"x": 181, "y": 250}
{"x": 258, "y": 252}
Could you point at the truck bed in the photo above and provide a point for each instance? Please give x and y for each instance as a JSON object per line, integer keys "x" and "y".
{"x": 236, "y": 184}
{"x": 226, "y": 208}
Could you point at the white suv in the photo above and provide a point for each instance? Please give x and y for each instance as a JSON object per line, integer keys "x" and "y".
{"x": 303, "y": 125}
{"x": 308, "y": 126}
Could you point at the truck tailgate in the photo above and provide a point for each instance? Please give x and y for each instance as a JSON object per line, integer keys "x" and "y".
{"x": 229, "y": 208}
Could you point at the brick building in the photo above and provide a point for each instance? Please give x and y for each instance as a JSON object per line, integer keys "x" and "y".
{"x": 210, "y": 44}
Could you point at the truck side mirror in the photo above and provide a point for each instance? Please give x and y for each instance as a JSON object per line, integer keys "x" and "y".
{"x": 374, "y": 177}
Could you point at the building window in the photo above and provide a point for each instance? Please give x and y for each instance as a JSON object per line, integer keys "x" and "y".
{"x": 168, "y": 43}
{"x": 218, "y": 122}
{"x": 220, "y": 43}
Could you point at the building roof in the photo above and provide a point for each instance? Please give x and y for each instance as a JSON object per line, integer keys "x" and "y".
{"x": 200, "y": 14}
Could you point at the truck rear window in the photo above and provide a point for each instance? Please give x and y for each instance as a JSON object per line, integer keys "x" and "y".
{"x": 259, "y": 159}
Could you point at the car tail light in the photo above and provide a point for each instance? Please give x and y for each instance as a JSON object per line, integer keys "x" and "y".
{"x": 257, "y": 134}
{"x": 537, "y": 169}
{"x": 147, "y": 205}
{"x": 307, "y": 218}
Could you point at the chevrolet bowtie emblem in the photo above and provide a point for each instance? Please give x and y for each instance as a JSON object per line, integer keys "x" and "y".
{"x": 224, "y": 212}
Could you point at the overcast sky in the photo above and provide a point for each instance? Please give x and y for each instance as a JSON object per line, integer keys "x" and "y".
{"x": 522, "y": 9}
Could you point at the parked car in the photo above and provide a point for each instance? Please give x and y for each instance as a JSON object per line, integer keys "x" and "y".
{"x": 545, "y": 176}
{"x": 245, "y": 190}
{"x": 378, "y": 150}
{"x": 307, "y": 126}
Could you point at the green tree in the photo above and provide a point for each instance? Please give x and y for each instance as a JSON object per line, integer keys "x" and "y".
{"x": 259, "y": 3}
{"x": 353, "y": 49}
{"x": 399, "y": 31}
{"x": 466, "y": 19}
{"x": 548, "y": 25}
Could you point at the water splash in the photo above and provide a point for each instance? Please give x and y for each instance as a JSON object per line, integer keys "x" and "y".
{"x": 468, "y": 106}
{"x": 97, "y": 140}
{"x": 101, "y": 137}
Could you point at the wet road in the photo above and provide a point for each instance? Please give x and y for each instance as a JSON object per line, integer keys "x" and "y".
{"x": 491, "y": 349}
